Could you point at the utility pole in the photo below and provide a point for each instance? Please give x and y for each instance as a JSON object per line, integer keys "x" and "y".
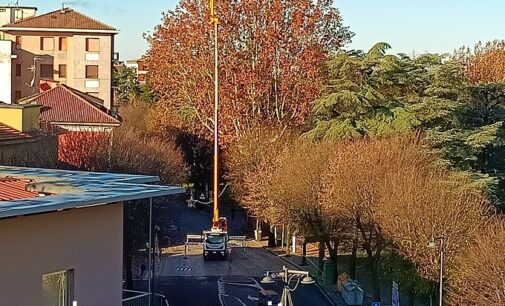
{"x": 150, "y": 265}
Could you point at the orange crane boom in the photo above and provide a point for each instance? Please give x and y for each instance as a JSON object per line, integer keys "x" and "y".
{"x": 214, "y": 20}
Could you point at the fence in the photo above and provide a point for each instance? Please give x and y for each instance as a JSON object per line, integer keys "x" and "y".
{"x": 138, "y": 298}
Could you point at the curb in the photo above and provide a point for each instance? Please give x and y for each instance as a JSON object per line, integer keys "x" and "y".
{"x": 321, "y": 289}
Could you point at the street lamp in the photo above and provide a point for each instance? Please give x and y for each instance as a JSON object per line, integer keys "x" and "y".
{"x": 302, "y": 277}
{"x": 433, "y": 245}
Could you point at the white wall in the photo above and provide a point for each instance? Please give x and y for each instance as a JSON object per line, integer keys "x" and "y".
{"x": 5, "y": 71}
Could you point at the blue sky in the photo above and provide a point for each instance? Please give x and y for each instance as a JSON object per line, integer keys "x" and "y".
{"x": 408, "y": 25}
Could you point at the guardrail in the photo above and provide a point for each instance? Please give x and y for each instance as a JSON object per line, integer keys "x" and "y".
{"x": 139, "y": 298}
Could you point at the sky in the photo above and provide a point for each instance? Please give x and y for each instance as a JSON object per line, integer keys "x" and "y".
{"x": 409, "y": 26}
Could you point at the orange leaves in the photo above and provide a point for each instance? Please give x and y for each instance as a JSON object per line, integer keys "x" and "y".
{"x": 271, "y": 53}
{"x": 486, "y": 63}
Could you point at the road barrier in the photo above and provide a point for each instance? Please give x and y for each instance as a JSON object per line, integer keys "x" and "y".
{"x": 192, "y": 240}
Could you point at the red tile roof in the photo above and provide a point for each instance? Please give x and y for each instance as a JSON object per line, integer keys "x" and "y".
{"x": 64, "y": 104}
{"x": 15, "y": 189}
{"x": 7, "y": 134}
{"x": 61, "y": 19}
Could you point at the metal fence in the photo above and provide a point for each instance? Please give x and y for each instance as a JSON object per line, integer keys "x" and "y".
{"x": 139, "y": 298}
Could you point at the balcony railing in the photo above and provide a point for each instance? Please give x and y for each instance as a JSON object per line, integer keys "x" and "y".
{"x": 139, "y": 298}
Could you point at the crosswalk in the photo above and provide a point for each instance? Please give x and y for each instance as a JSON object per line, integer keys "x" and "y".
{"x": 183, "y": 269}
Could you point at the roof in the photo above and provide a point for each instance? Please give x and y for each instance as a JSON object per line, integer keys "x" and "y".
{"x": 66, "y": 19}
{"x": 64, "y": 104}
{"x": 8, "y": 134}
{"x": 76, "y": 189}
{"x": 12, "y": 189}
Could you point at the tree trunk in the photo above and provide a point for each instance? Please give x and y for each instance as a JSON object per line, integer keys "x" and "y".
{"x": 271, "y": 238}
{"x": 129, "y": 272}
{"x": 333, "y": 250}
{"x": 412, "y": 296}
{"x": 321, "y": 255}
{"x": 352, "y": 261}
{"x": 375, "y": 277}
{"x": 304, "y": 253}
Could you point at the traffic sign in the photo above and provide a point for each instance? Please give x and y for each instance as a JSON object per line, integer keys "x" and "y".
{"x": 376, "y": 303}
{"x": 395, "y": 295}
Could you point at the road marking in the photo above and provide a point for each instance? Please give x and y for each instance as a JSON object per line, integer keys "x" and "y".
{"x": 220, "y": 288}
{"x": 183, "y": 269}
{"x": 252, "y": 298}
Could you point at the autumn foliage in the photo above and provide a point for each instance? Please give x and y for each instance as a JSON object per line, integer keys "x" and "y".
{"x": 123, "y": 151}
{"x": 271, "y": 55}
{"x": 485, "y": 63}
{"x": 480, "y": 277}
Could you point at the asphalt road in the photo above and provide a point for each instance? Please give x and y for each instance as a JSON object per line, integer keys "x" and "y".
{"x": 191, "y": 281}
{"x": 213, "y": 291}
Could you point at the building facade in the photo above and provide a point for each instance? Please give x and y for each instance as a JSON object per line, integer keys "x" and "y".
{"x": 140, "y": 67}
{"x": 63, "y": 235}
{"x": 60, "y": 47}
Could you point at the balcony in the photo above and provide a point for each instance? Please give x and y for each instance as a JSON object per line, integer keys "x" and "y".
{"x": 139, "y": 298}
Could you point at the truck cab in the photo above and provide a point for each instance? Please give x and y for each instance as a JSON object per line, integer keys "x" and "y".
{"x": 215, "y": 243}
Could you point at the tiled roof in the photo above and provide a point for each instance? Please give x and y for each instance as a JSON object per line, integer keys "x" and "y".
{"x": 15, "y": 189}
{"x": 7, "y": 133}
{"x": 64, "y": 104}
{"x": 61, "y": 19}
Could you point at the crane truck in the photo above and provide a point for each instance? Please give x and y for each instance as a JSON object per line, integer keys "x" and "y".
{"x": 215, "y": 240}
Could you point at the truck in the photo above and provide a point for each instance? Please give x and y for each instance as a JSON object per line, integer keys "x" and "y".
{"x": 215, "y": 243}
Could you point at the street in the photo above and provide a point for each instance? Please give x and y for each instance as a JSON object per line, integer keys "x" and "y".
{"x": 189, "y": 280}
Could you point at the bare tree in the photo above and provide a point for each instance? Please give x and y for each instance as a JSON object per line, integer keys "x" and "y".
{"x": 479, "y": 279}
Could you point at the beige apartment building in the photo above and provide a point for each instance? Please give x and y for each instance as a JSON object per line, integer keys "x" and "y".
{"x": 60, "y": 47}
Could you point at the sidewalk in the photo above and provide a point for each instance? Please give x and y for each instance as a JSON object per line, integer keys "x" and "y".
{"x": 329, "y": 289}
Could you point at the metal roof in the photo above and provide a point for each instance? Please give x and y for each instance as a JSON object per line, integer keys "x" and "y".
{"x": 82, "y": 189}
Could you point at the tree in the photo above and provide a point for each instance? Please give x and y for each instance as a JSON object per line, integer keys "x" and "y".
{"x": 375, "y": 94}
{"x": 295, "y": 190}
{"x": 351, "y": 187}
{"x": 270, "y": 63}
{"x": 480, "y": 277}
{"x": 128, "y": 87}
{"x": 485, "y": 63}
{"x": 251, "y": 162}
{"x": 423, "y": 201}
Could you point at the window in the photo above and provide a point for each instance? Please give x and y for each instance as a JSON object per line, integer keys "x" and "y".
{"x": 63, "y": 71}
{"x": 91, "y": 71}
{"x": 18, "y": 42}
{"x": 58, "y": 288}
{"x": 18, "y": 70}
{"x": 92, "y": 44}
{"x": 17, "y": 96}
{"x": 62, "y": 44}
{"x": 46, "y": 71}
{"x": 47, "y": 43}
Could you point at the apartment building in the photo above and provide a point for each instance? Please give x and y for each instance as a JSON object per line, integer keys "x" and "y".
{"x": 140, "y": 67}
{"x": 60, "y": 47}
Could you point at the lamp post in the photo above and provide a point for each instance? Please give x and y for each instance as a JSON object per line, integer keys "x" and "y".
{"x": 433, "y": 244}
{"x": 302, "y": 277}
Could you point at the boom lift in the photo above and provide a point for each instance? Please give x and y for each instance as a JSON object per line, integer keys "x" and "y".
{"x": 215, "y": 240}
